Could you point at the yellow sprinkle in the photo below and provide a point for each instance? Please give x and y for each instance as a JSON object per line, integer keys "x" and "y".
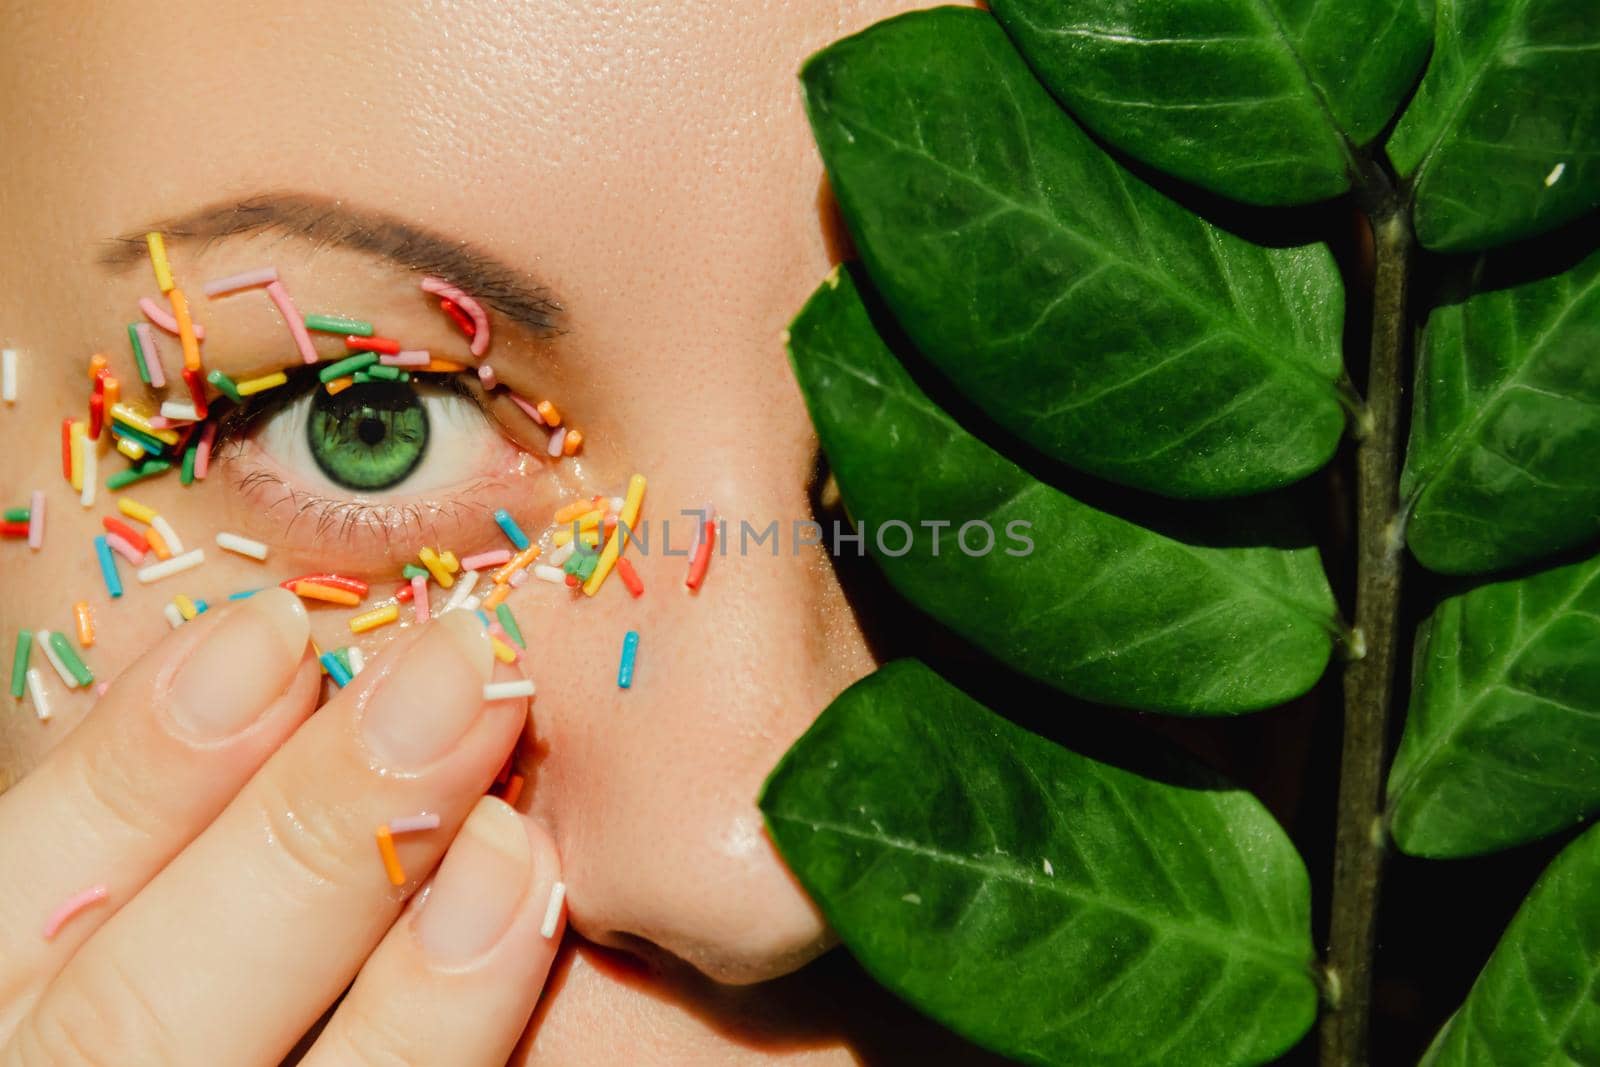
{"x": 628, "y": 517}
{"x": 371, "y": 620}
{"x": 136, "y": 511}
{"x": 132, "y": 449}
{"x": 317, "y": 653}
{"x": 502, "y": 651}
{"x": 436, "y": 567}
{"x": 338, "y": 385}
{"x": 158, "y": 260}
{"x": 80, "y": 439}
{"x": 158, "y": 544}
{"x": 588, "y": 537}
{"x": 263, "y": 383}
{"x": 125, "y": 414}
{"x": 450, "y": 561}
{"x": 186, "y": 607}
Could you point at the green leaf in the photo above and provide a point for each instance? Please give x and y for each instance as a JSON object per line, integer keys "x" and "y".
{"x": 1261, "y": 100}
{"x": 1098, "y": 607}
{"x": 1502, "y": 139}
{"x": 1055, "y": 909}
{"x": 1501, "y": 465}
{"x": 1535, "y": 1002}
{"x": 1080, "y": 308}
{"x": 1502, "y": 742}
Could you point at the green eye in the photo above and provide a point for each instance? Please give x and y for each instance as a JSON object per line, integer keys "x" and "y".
{"x": 370, "y": 436}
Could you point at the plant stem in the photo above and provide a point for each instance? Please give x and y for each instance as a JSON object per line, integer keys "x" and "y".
{"x": 1369, "y": 680}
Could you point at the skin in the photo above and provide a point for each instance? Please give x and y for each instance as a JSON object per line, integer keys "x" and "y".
{"x": 653, "y": 172}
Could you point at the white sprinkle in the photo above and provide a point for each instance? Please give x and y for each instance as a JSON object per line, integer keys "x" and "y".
{"x": 462, "y": 589}
{"x": 168, "y": 534}
{"x": 518, "y": 578}
{"x": 178, "y": 411}
{"x": 472, "y": 603}
{"x": 8, "y": 375}
{"x": 1554, "y": 175}
{"x": 1051, "y": 871}
{"x": 41, "y": 638}
{"x": 424, "y": 820}
{"x": 562, "y": 554}
{"x": 91, "y": 473}
{"x": 242, "y": 545}
{"x": 553, "y": 575}
{"x": 41, "y": 700}
{"x": 174, "y": 616}
{"x": 508, "y": 690}
{"x": 358, "y": 659}
{"x": 552, "y": 911}
{"x": 168, "y": 567}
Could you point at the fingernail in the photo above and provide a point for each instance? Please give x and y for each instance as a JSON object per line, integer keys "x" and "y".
{"x": 241, "y": 667}
{"x": 427, "y": 701}
{"x": 479, "y": 886}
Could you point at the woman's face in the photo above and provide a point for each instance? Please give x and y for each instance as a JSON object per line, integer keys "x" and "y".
{"x": 646, "y": 172}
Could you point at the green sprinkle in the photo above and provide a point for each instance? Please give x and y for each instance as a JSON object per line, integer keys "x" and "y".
{"x": 405, "y": 376}
{"x": 19, "y": 662}
{"x": 18, "y": 514}
{"x": 346, "y": 366}
{"x": 138, "y": 353}
{"x": 361, "y": 377}
{"x": 186, "y": 474}
{"x": 69, "y": 656}
{"x": 508, "y": 623}
{"x": 144, "y": 440}
{"x": 411, "y": 570}
{"x": 137, "y": 473}
{"x": 338, "y": 324}
{"x": 225, "y": 386}
{"x": 379, "y": 371}
{"x": 343, "y": 656}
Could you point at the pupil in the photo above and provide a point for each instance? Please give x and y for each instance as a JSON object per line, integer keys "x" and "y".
{"x": 370, "y": 430}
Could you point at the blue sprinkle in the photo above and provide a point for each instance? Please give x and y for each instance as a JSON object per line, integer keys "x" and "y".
{"x": 511, "y": 529}
{"x": 335, "y": 669}
{"x": 243, "y": 594}
{"x": 108, "y": 567}
{"x": 484, "y": 615}
{"x": 630, "y": 647}
{"x": 200, "y": 607}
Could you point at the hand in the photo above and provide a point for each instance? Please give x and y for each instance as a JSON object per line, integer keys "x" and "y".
{"x": 234, "y": 834}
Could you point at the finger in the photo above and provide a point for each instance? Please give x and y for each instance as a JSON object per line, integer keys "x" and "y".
{"x": 455, "y": 981}
{"x": 239, "y": 944}
{"x": 162, "y": 753}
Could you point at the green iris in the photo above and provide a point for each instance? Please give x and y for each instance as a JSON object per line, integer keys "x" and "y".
{"x": 369, "y": 436}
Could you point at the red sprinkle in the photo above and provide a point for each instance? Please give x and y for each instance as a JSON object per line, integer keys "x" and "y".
{"x": 702, "y": 557}
{"x": 387, "y": 345}
{"x": 513, "y": 790}
{"x": 337, "y": 581}
{"x": 97, "y": 415}
{"x": 463, "y": 320}
{"x": 197, "y": 390}
{"x": 572, "y": 581}
{"x": 403, "y": 593}
{"x": 126, "y": 532}
{"x": 13, "y": 529}
{"x": 630, "y": 577}
{"x": 66, "y": 449}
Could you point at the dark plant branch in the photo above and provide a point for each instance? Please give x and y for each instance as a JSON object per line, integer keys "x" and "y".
{"x": 1369, "y": 676}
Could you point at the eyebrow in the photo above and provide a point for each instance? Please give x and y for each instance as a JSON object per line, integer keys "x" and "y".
{"x": 337, "y": 224}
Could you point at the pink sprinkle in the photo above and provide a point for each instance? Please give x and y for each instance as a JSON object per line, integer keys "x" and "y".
{"x": 486, "y": 376}
{"x": 152, "y": 355}
{"x": 202, "y": 451}
{"x": 70, "y": 907}
{"x": 440, "y": 287}
{"x": 163, "y": 318}
{"x": 234, "y": 282}
{"x": 292, "y": 319}
{"x": 518, "y": 578}
{"x": 419, "y": 598}
{"x": 407, "y": 357}
{"x": 120, "y": 545}
{"x": 528, "y": 409}
{"x": 161, "y": 422}
{"x": 556, "y": 440}
{"x": 496, "y": 630}
{"x": 424, "y": 820}
{"x": 36, "y": 520}
{"x": 101, "y": 688}
{"x": 493, "y": 558}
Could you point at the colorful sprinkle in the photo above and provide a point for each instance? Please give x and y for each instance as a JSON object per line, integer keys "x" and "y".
{"x": 630, "y": 648}
{"x": 79, "y": 900}
{"x": 371, "y": 620}
{"x": 108, "y": 567}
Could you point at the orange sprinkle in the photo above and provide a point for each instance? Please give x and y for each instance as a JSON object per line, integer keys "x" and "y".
{"x": 339, "y": 385}
{"x": 573, "y": 510}
{"x": 442, "y": 366}
{"x": 391, "y": 861}
{"x": 158, "y": 544}
{"x": 180, "y": 312}
{"x": 97, "y": 363}
{"x": 318, "y": 591}
{"x": 496, "y": 598}
{"x": 515, "y": 564}
{"x": 513, "y": 790}
{"x": 85, "y": 623}
{"x": 572, "y": 442}
{"x": 113, "y": 391}
{"x": 549, "y": 413}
